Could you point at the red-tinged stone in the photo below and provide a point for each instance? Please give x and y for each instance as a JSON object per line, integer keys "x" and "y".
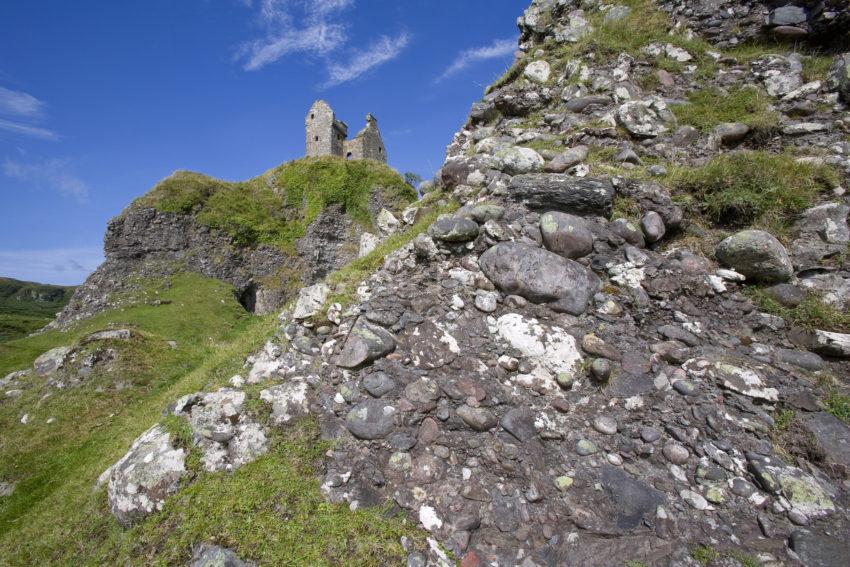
{"x": 471, "y": 559}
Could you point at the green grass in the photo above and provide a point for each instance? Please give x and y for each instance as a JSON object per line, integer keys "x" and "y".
{"x": 276, "y": 207}
{"x": 751, "y": 188}
{"x": 704, "y": 554}
{"x": 812, "y": 313}
{"x": 707, "y": 108}
{"x": 838, "y": 404}
{"x": 782, "y": 419}
{"x": 26, "y": 306}
{"x": 513, "y": 73}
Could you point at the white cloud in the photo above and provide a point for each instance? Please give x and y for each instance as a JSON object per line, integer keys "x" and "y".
{"x": 19, "y": 103}
{"x": 499, "y": 48}
{"x": 383, "y": 50}
{"x": 63, "y": 266}
{"x": 52, "y": 174}
{"x": 295, "y": 26}
{"x": 27, "y": 130}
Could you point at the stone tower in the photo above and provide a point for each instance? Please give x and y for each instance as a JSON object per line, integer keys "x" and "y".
{"x": 327, "y": 136}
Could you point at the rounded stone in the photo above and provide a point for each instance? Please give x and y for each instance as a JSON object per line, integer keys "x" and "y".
{"x": 378, "y": 384}
{"x": 653, "y": 226}
{"x": 649, "y": 434}
{"x": 485, "y": 301}
{"x": 600, "y": 369}
{"x": 605, "y": 424}
{"x": 685, "y": 387}
{"x": 756, "y": 254}
{"x": 585, "y": 447}
{"x": 371, "y": 419}
{"x": 627, "y": 230}
{"x": 676, "y": 453}
{"x": 454, "y": 229}
{"x": 566, "y": 235}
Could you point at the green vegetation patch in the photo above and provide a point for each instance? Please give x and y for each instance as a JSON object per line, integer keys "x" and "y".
{"x": 706, "y": 108}
{"x": 751, "y": 188}
{"x": 276, "y": 207}
{"x": 838, "y": 404}
{"x": 270, "y": 511}
{"x": 812, "y": 313}
{"x": 26, "y": 306}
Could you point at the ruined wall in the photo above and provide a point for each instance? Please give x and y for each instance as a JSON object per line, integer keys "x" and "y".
{"x": 368, "y": 143}
{"x": 325, "y": 134}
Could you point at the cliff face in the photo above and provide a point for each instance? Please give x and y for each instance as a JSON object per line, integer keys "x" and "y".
{"x": 264, "y": 257}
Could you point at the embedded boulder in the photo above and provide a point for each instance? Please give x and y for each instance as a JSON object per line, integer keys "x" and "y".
{"x": 540, "y": 276}
{"x": 562, "y": 192}
{"x": 51, "y": 361}
{"x": 645, "y": 118}
{"x": 838, "y": 77}
{"x": 517, "y": 160}
{"x": 454, "y": 229}
{"x": 366, "y": 342}
{"x": 566, "y": 235}
{"x": 756, "y": 254}
{"x": 142, "y": 479}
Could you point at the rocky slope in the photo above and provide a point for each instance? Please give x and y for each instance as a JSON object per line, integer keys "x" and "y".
{"x": 630, "y": 344}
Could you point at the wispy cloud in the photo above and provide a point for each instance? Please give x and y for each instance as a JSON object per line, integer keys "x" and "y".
{"x": 383, "y": 50}
{"x": 23, "y": 112}
{"x": 51, "y": 174}
{"x": 499, "y": 48}
{"x": 317, "y": 29}
{"x": 64, "y": 266}
{"x": 19, "y": 103}
{"x": 313, "y": 27}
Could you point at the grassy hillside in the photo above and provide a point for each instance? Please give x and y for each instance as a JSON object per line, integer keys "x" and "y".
{"x": 28, "y": 306}
{"x": 276, "y": 207}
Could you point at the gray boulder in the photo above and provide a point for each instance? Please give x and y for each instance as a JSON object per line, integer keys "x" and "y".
{"x": 366, "y": 342}
{"x": 481, "y": 213}
{"x": 819, "y": 550}
{"x": 207, "y": 555}
{"x": 653, "y": 226}
{"x": 838, "y": 77}
{"x": 567, "y": 159}
{"x": 822, "y": 232}
{"x": 645, "y": 118}
{"x": 730, "y": 133}
{"x": 832, "y": 437}
{"x": 454, "y": 229}
{"x": 628, "y": 231}
{"x": 51, "y": 361}
{"x": 566, "y": 235}
{"x": 561, "y": 192}
{"x": 540, "y": 276}
{"x": 780, "y": 74}
{"x": 142, "y": 479}
{"x": 372, "y": 419}
{"x": 756, "y": 254}
{"x": 516, "y": 160}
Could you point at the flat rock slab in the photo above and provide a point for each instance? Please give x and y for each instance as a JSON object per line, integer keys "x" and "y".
{"x": 562, "y": 192}
{"x": 366, "y": 342}
{"x": 818, "y": 550}
{"x": 833, "y": 438}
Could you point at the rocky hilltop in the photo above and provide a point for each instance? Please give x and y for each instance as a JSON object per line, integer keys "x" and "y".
{"x": 615, "y": 331}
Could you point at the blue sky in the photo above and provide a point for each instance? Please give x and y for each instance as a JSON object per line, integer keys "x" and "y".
{"x": 101, "y": 99}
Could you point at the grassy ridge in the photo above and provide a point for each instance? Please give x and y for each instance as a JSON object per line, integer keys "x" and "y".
{"x": 276, "y": 207}
{"x": 28, "y": 306}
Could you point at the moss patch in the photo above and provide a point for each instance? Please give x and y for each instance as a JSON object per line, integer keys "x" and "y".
{"x": 276, "y": 207}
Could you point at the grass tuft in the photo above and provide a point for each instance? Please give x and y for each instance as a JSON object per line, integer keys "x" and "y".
{"x": 706, "y": 108}
{"x": 751, "y": 188}
{"x": 812, "y": 313}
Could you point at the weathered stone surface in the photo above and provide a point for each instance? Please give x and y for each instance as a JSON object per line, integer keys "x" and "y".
{"x": 819, "y": 550}
{"x": 540, "y": 276}
{"x": 838, "y": 77}
{"x": 366, "y": 342}
{"x": 567, "y": 159}
{"x": 731, "y": 133}
{"x": 756, "y": 254}
{"x": 207, "y": 555}
{"x": 141, "y": 480}
{"x": 743, "y": 380}
{"x": 516, "y": 160}
{"x": 368, "y": 242}
{"x": 537, "y": 71}
{"x": 519, "y": 422}
{"x": 566, "y": 235}
{"x": 653, "y": 226}
{"x": 454, "y": 229}
{"x": 288, "y": 400}
{"x": 831, "y": 344}
{"x": 478, "y": 419}
{"x": 561, "y": 192}
{"x": 780, "y": 74}
{"x": 833, "y": 438}
{"x": 52, "y": 360}
{"x": 645, "y": 118}
{"x": 310, "y": 301}
{"x": 481, "y": 213}
{"x": 822, "y": 232}
{"x": 371, "y": 419}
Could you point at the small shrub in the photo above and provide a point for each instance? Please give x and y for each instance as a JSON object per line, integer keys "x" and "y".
{"x": 703, "y": 554}
{"x": 752, "y": 188}
{"x": 782, "y": 419}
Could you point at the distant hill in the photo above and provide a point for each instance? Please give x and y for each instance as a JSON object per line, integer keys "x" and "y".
{"x": 28, "y": 306}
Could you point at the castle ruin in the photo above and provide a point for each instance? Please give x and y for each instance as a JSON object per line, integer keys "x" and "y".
{"x": 327, "y": 136}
